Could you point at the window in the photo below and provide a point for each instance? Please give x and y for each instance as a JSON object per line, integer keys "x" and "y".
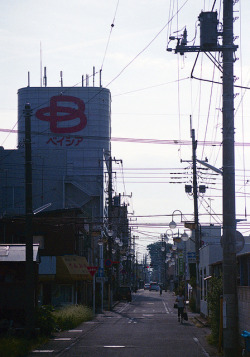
{"x": 66, "y": 294}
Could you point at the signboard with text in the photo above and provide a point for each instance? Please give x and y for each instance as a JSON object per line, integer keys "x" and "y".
{"x": 65, "y": 117}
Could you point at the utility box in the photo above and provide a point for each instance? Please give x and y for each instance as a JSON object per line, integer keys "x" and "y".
{"x": 208, "y": 29}
{"x": 188, "y": 188}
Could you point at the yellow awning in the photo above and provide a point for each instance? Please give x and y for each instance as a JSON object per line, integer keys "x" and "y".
{"x": 46, "y": 277}
{"x": 72, "y": 267}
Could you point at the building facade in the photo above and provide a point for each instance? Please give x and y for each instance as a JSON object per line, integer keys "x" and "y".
{"x": 70, "y": 130}
{"x": 70, "y": 149}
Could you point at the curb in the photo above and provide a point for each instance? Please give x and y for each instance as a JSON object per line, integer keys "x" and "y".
{"x": 202, "y": 321}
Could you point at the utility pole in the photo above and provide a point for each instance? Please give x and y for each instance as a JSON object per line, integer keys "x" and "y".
{"x": 110, "y": 223}
{"x": 110, "y": 212}
{"x": 230, "y": 306}
{"x": 30, "y": 276}
{"x": 209, "y": 43}
{"x": 196, "y": 220}
{"x": 195, "y": 225}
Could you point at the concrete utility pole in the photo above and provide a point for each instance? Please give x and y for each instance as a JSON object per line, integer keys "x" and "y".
{"x": 230, "y": 328}
{"x": 110, "y": 213}
{"x": 196, "y": 221}
{"x": 30, "y": 276}
{"x": 209, "y": 43}
{"x": 110, "y": 223}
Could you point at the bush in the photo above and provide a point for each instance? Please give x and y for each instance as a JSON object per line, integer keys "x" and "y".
{"x": 17, "y": 347}
{"x": 12, "y": 347}
{"x": 213, "y": 299}
{"x": 72, "y": 316}
{"x": 48, "y": 319}
{"x": 45, "y": 320}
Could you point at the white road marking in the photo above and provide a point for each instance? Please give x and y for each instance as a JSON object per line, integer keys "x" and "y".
{"x": 165, "y": 306}
{"x": 43, "y": 351}
{"x": 123, "y": 307}
{"x": 198, "y": 343}
{"x": 61, "y": 339}
{"x": 79, "y": 331}
{"x": 114, "y": 346}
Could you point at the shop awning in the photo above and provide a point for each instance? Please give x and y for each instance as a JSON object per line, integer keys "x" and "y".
{"x": 72, "y": 267}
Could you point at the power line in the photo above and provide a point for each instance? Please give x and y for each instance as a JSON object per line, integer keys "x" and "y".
{"x": 111, "y": 29}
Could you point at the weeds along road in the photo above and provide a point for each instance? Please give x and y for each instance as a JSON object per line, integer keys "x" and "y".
{"x": 146, "y": 327}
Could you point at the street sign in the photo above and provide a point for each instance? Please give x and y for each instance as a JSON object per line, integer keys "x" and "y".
{"x": 191, "y": 257}
{"x": 190, "y": 225}
{"x": 92, "y": 270}
{"x": 239, "y": 243}
{"x": 100, "y": 279}
{"x": 108, "y": 263}
{"x": 100, "y": 273}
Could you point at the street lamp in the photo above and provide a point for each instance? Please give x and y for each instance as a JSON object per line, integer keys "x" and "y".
{"x": 169, "y": 235}
{"x": 100, "y": 242}
{"x": 117, "y": 240}
{"x": 110, "y": 233}
{"x": 172, "y": 224}
{"x": 184, "y": 237}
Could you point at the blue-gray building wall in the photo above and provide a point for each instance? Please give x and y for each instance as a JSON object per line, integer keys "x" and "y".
{"x": 70, "y": 137}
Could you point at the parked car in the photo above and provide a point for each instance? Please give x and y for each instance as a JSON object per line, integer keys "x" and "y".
{"x": 146, "y": 286}
{"x": 124, "y": 293}
{"x": 154, "y": 286}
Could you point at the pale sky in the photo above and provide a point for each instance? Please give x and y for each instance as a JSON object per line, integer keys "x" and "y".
{"x": 152, "y": 94}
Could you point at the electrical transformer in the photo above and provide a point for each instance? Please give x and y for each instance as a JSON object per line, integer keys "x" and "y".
{"x": 208, "y": 29}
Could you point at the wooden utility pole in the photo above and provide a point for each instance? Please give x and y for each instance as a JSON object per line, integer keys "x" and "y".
{"x": 30, "y": 275}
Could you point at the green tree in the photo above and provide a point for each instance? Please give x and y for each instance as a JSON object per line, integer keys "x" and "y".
{"x": 155, "y": 252}
{"x": 214, "y": 293}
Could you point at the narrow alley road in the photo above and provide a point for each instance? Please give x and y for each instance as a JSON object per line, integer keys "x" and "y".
{"x": 145, "y": 327}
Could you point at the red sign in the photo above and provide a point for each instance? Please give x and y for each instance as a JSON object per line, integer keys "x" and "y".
{"x": 108, "y": 263}
{"x": 56, "y": 114}
{"x": 92, "y": 270}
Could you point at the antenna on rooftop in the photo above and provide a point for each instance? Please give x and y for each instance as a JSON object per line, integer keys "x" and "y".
{"x": 45, "y": 78}
{"x": 61, "y": 78}
{"x": 93, "y": 76}
{"x": 100, "y": 77}
{"x": 28, "y": 79}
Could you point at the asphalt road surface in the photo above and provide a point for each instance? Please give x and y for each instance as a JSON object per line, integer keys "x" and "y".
{"x": 146, "y": 327}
